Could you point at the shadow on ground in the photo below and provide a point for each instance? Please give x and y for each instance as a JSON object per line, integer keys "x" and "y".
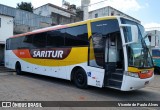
{"x": 137, "y": 95}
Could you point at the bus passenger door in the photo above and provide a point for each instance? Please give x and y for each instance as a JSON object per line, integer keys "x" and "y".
{"x": 113, "y": 61}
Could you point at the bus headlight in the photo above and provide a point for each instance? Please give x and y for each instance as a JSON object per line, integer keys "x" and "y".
{"x": 144, "y": 71}
{"x": 132, "y": 74}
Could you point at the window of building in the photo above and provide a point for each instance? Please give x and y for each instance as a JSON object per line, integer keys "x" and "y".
{"x": 112, "y": 13}
{"x": 96, "y": 15}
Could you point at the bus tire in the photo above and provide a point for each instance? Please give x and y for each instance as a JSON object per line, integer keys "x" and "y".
{"x": 80, "y": 78}
{"x": 18, "y": 68}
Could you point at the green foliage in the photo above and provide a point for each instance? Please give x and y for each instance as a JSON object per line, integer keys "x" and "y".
{"x": 25, "y": 6}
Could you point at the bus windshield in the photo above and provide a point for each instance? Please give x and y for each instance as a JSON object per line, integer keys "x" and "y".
{"x": 138, "y": 53}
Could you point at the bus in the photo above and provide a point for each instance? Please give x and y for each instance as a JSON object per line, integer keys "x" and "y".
{"x": 101, "y": 52}
{"x": 152, "y": 39}
{"x": 156, "y": 59}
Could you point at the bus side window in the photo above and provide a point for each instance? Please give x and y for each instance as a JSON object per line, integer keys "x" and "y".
{"x": 76, "y": 36}
{"x": 39, "y": 40}
{"x": 55, "y": 38}
{"x": 97, "y": 46}
{"x": 15, "y": 43}
{"x": 27, "y": 42}
{"x": 8, "y": 44}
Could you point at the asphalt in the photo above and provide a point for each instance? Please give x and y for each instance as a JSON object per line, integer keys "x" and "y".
{"x": 32, "y": 87}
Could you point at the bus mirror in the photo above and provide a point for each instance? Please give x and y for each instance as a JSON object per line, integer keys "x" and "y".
{"x": 131, "y": 33}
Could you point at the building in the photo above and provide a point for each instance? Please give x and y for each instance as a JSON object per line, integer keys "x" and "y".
{"x": 58, "y": 14}
{"x": 154, "y": 38}
{"x": 6, "y": 30}
{"x": 153, "y": 42}
{"x": 25, "y": 21}
{"x": 109, "y": 11}
{"x": 105, "y": 11}
{"x": 16, "y": 21}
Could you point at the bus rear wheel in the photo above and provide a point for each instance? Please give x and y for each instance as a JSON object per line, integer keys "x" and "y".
{"x": 18, "y": 69}
{"x": 80, "y": 79}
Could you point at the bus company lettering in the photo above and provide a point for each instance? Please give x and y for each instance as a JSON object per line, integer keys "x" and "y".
{"x": 50, "y": 54}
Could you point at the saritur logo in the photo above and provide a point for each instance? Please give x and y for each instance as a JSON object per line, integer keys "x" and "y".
{"x": 50, "y": 53}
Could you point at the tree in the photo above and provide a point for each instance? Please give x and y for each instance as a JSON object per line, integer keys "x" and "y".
{"x": 25, "y": 6}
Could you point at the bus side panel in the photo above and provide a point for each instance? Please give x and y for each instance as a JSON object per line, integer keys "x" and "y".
{"x": 7, "y": 57}
{"x": 10, "y": 59}
{"x": 27, "y": 67}
{"x": 95, "y": 76}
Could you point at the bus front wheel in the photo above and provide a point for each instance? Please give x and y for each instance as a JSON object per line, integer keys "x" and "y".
{"x": 80, "y": 79}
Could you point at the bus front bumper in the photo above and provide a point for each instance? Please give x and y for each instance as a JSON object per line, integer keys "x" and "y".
{"x": 132, "y": 83}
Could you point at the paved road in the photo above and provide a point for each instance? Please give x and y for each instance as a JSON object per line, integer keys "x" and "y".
{"x": 31, "y": 87}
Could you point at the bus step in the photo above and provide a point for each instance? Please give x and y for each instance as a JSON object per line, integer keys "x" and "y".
{"x": 117, "y": 76}
{"x": 113, "y": 87}
{"x": 119, "y": 70}
{"x": 114, "y": 83}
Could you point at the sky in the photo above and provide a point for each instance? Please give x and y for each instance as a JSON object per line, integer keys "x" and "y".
{"x": 147, "y": 11}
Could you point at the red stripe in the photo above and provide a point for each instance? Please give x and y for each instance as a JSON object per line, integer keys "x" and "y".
{"x": 39, "y": 31}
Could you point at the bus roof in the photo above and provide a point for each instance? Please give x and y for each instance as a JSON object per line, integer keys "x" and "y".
{"x": 64, "y": 26}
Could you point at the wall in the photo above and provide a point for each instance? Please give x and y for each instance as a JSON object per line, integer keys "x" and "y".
{"x": 43, "y": 10}
{"x": 58, "y": 11}
{"x": 58, "y": 14}
{"x": 109, "y": 11}
{"x": 101, "y": 12}
{"x": 24, "y": 21}
{"x": 6, "y": 29}
{"x": 155, "y": 38}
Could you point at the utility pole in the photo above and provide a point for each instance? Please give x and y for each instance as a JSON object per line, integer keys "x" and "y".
{"x": 85, "y": 8}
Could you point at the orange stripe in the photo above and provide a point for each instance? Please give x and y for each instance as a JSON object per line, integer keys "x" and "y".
{"x": 24, "y": 53}
{"x": 39, "y": 31}
{"x": 73, "y": 58}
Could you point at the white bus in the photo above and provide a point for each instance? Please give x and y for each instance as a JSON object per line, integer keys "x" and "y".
{"x": 102, "y": 52}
